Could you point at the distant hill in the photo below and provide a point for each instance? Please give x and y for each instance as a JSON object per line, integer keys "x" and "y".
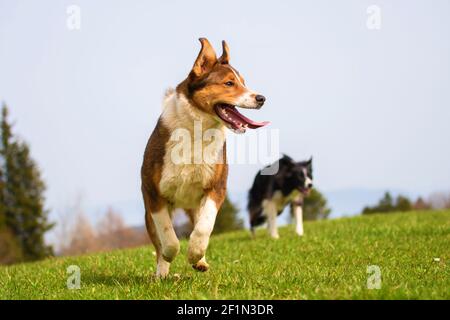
{"x": 343, "y": 202}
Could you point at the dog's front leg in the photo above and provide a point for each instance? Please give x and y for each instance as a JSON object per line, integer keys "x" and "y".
{"x": 270, "y": 210}
{"x": 204, "y": 220}
{"x": 297, "y": 211}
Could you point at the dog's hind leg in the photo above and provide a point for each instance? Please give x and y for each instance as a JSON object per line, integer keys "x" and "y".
{"x": 257, "y": 218}
{"x": 162, "y": 235}
{"x": 162, "y": 266}
{"x": 270, "y": 211}
{"x": 169, "y": 242}
{"x": 253, "y": 232}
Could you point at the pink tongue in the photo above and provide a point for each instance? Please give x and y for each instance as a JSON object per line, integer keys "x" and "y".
{"x": 251, "y": 124}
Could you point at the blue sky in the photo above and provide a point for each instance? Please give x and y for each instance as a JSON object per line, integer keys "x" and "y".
{"x": 371, "y": 106}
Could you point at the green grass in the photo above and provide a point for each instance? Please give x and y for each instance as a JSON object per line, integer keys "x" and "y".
{"x": 329, "y": 262}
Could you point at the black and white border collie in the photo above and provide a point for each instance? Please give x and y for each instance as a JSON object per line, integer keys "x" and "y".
{"x": 270, "y": 194}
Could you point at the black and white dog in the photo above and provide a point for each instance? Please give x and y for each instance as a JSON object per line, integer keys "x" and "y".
{"x": 270, "y": 194}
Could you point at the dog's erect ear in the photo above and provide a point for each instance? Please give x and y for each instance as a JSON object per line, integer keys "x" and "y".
{"x": 225, "y": 58}
{"x": 309, "y": 162}
{"x": 287, "y": 159}
{"x": 206, "y": 59}
{"x": 287, "y": 162}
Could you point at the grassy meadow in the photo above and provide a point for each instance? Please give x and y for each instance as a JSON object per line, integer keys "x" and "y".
{"x": 331, "y": 261}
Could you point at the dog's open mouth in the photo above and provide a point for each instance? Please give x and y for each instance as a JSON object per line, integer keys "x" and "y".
{"x": 305, "y": 191}
{"x": 235, "y": 120}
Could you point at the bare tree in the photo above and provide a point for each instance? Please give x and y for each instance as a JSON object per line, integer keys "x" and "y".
{"x": 439, "y": 200}
{"x": 83, "y": 238}
{"x": 112, "y": 233}
{"x": 75, "y": 234}
{"x": 65, "y": 221}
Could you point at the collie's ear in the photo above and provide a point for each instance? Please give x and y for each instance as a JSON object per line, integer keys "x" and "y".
{"x": 225, "y": 58}
{"x": 205, "y": 60}
{"x": 309, "y": 162}
{"x": 287, "y": 158}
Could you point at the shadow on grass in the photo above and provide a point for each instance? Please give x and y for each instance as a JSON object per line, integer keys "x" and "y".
{"x": 131, "y": 279}
{"x": 239, "y": 238}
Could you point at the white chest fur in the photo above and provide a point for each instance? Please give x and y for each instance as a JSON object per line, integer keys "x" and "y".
{"x": 281, "y": 201}
{"x": 183, "y": 180}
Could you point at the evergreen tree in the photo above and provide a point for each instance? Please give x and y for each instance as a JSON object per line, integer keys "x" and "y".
{"x": 421, "y": 204}
{"x": 23, "y": 195}
{"x": 2, "y": 200}
{"x": 403, "y": 204}
{"x": 386, "y": 204}
{"x": 315, "y": 206}
{"x": 9, "y": 249}
{"x": 227, "y": 218}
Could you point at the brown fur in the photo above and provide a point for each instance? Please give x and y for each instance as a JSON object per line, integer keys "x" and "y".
{"x": 205, "y": 85}
{"x": 152, "y": 167}
{"x": 210, "y": 90}
{"x": 151, "y": 176}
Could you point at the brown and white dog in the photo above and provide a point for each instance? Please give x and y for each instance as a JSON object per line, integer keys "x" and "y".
{"x": 205, "y": 101}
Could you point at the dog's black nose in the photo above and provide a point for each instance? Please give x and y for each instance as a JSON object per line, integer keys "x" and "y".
{"x": 309, "y": 186}
{"x": 260, "y": 99}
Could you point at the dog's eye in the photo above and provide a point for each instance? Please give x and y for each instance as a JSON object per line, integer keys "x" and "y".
{"x": 229, "y": 83}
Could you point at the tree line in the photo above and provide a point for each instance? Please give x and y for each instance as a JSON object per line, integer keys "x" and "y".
{"x": 401, "y": 203}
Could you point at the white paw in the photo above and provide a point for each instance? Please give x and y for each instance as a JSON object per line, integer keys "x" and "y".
{"x": 201, "y": 265}
{"x": 195, "y": 254}
{"x": 197, "y": 247}
{"x": 162, "y": 269}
